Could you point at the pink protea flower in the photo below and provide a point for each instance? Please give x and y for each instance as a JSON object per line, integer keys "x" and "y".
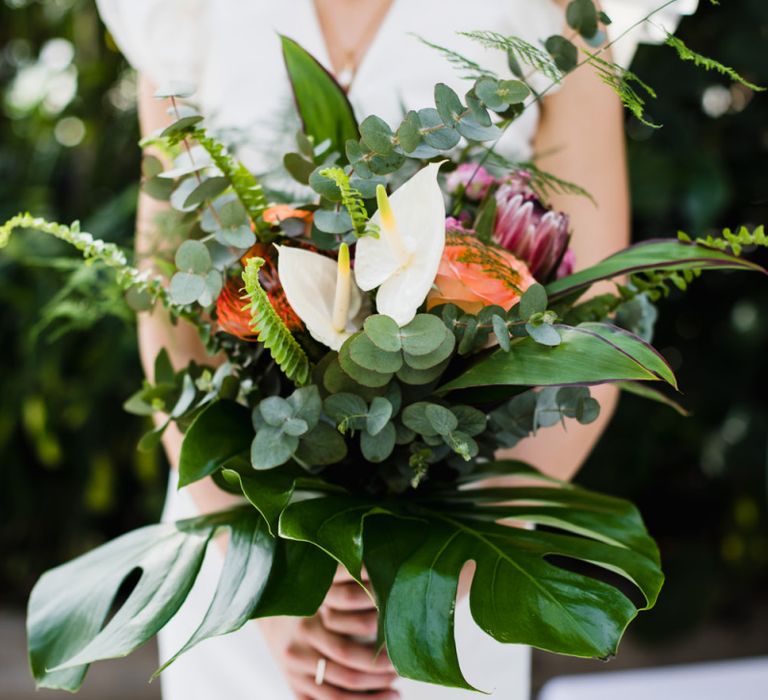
{"x": 533, "y": 233}
{"x": 474, "y": 179}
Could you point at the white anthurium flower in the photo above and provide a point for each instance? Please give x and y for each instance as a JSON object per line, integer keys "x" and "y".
{"x": 402, "y": 262}
{"x": 322, "y": 293}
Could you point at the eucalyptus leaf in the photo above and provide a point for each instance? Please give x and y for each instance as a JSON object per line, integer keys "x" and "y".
{"x": 193, "y": 256}
{"x": 378, "y": 447}
{"x": 185, "y": 288}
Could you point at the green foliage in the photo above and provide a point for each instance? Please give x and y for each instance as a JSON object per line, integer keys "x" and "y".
{"x": 523, "y": 415}
{"x": 273, "y": 333}
{"x": 649, "y": 257}
{"x": 352, "y": 200}
{"x": 323, "y": 106}
{"x": 710, "y": 64}
{"x": 169, "y": 557}
{"x": 523, "y": 51}
{"x": 470, "y": 70}
{"x": 242, "y": 180}
{"x": 626, "y": 84}
{"x": 730, "y": 241}
{"x": 93, "y": 251}
{"x": 586, "y": 353}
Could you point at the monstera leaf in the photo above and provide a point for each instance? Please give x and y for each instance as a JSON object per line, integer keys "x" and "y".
{"x": 588, "y": 353}
{"x": 523, "y": 591}
{"x": 69, "y": 605}
{"x": 667, "y": 255}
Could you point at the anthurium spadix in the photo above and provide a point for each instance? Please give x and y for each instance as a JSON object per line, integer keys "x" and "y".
{"x": 322, "y": 293}
{"x": 402, "y": 262}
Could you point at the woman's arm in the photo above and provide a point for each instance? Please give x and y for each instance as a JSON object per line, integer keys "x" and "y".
{"x": 581, "y": 139}
{"x": 155, "y": 329}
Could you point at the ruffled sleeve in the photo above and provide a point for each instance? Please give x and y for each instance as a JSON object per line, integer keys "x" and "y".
{"x": 625, "y": 13}
{"x": 162, "y": 38}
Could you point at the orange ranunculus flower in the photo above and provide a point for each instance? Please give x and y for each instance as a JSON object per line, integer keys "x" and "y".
{"x": 280, "y": 212}
{"x": 231, "y": 316}
{"x": 473, "y": 274}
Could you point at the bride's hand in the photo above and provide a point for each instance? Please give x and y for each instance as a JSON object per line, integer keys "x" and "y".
{"x": 353, "y": 669}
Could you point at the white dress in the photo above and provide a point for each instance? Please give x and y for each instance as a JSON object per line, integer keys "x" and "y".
{"x": 230, "y": 50}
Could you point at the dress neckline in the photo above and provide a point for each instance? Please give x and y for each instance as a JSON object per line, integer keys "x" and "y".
{"x": 323, "y": 49}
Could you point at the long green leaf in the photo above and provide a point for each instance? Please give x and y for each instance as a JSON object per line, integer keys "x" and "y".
{"x": 588, "y": 354}
{"x": 323, "y": 106}
{"x": 70, "y": 603}
{"x": 248, "y": 562}
{"x": 221, "y": 431}
{"x": 647, "y": 256}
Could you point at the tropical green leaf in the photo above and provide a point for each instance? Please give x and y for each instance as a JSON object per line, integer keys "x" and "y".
{"x": 519, "y": 593}
{"x": 323, "y": 106}
{"x": 70, "y": 604}
{"x": 652, "y": 394}
{"x": 649, "y": 256}
{"x": 248, "y": 561}
{"x": 587, "y": 354}
{"x": 268, "y": 491}
{"x": 334, "y": 523}
{"x": 221, "y": 431}
{"x": 301, "y": 576}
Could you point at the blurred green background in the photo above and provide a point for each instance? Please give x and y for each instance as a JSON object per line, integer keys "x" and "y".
{"x": 71, "y": 476}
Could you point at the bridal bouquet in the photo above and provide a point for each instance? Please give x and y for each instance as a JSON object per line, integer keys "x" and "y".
{"x": 383, "y": 334}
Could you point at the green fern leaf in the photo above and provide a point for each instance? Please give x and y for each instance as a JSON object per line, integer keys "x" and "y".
{"x": 687, "y": 54}
{"x": 730, "y": 241}
{"x": 273, "y": 333}
{"x": 352, "y": 200}
{"x": 244, "y": 183}
{"x": 623, "y": 82}
{"x": 471, "y": 70}
{"x": 523, "y": 51}
{"x": 93, "y": 250}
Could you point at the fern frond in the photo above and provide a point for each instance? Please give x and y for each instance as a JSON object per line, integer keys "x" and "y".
{"x": 352, "y": 200}
{"x": 687, "y": 54}
{"x": 656, "y": 283}
{"x": 523, "y": 51}
{"x": 729, "y": 241}
{"x": 273, "y": 333}
{"x": 93, "y": 250}
{"x": 622, "y": 82}
{"x": 471, "y": 69}
{"x": 247, "y": 188}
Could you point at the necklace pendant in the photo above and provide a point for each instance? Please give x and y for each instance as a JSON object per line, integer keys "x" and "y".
{"x": 345, "y": 77}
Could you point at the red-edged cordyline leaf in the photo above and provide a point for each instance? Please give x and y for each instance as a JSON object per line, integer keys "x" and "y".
{"x": 648, "y": 392}
{"x": 323, "y": 106}
{"x": 646, "y": 256}
{"x": 591, "y": 353}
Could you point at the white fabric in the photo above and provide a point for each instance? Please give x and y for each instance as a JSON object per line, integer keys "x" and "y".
{"x": 626, "y": 13}
{"x": 744, "y": 679}
{"x": 230, "y": 50}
